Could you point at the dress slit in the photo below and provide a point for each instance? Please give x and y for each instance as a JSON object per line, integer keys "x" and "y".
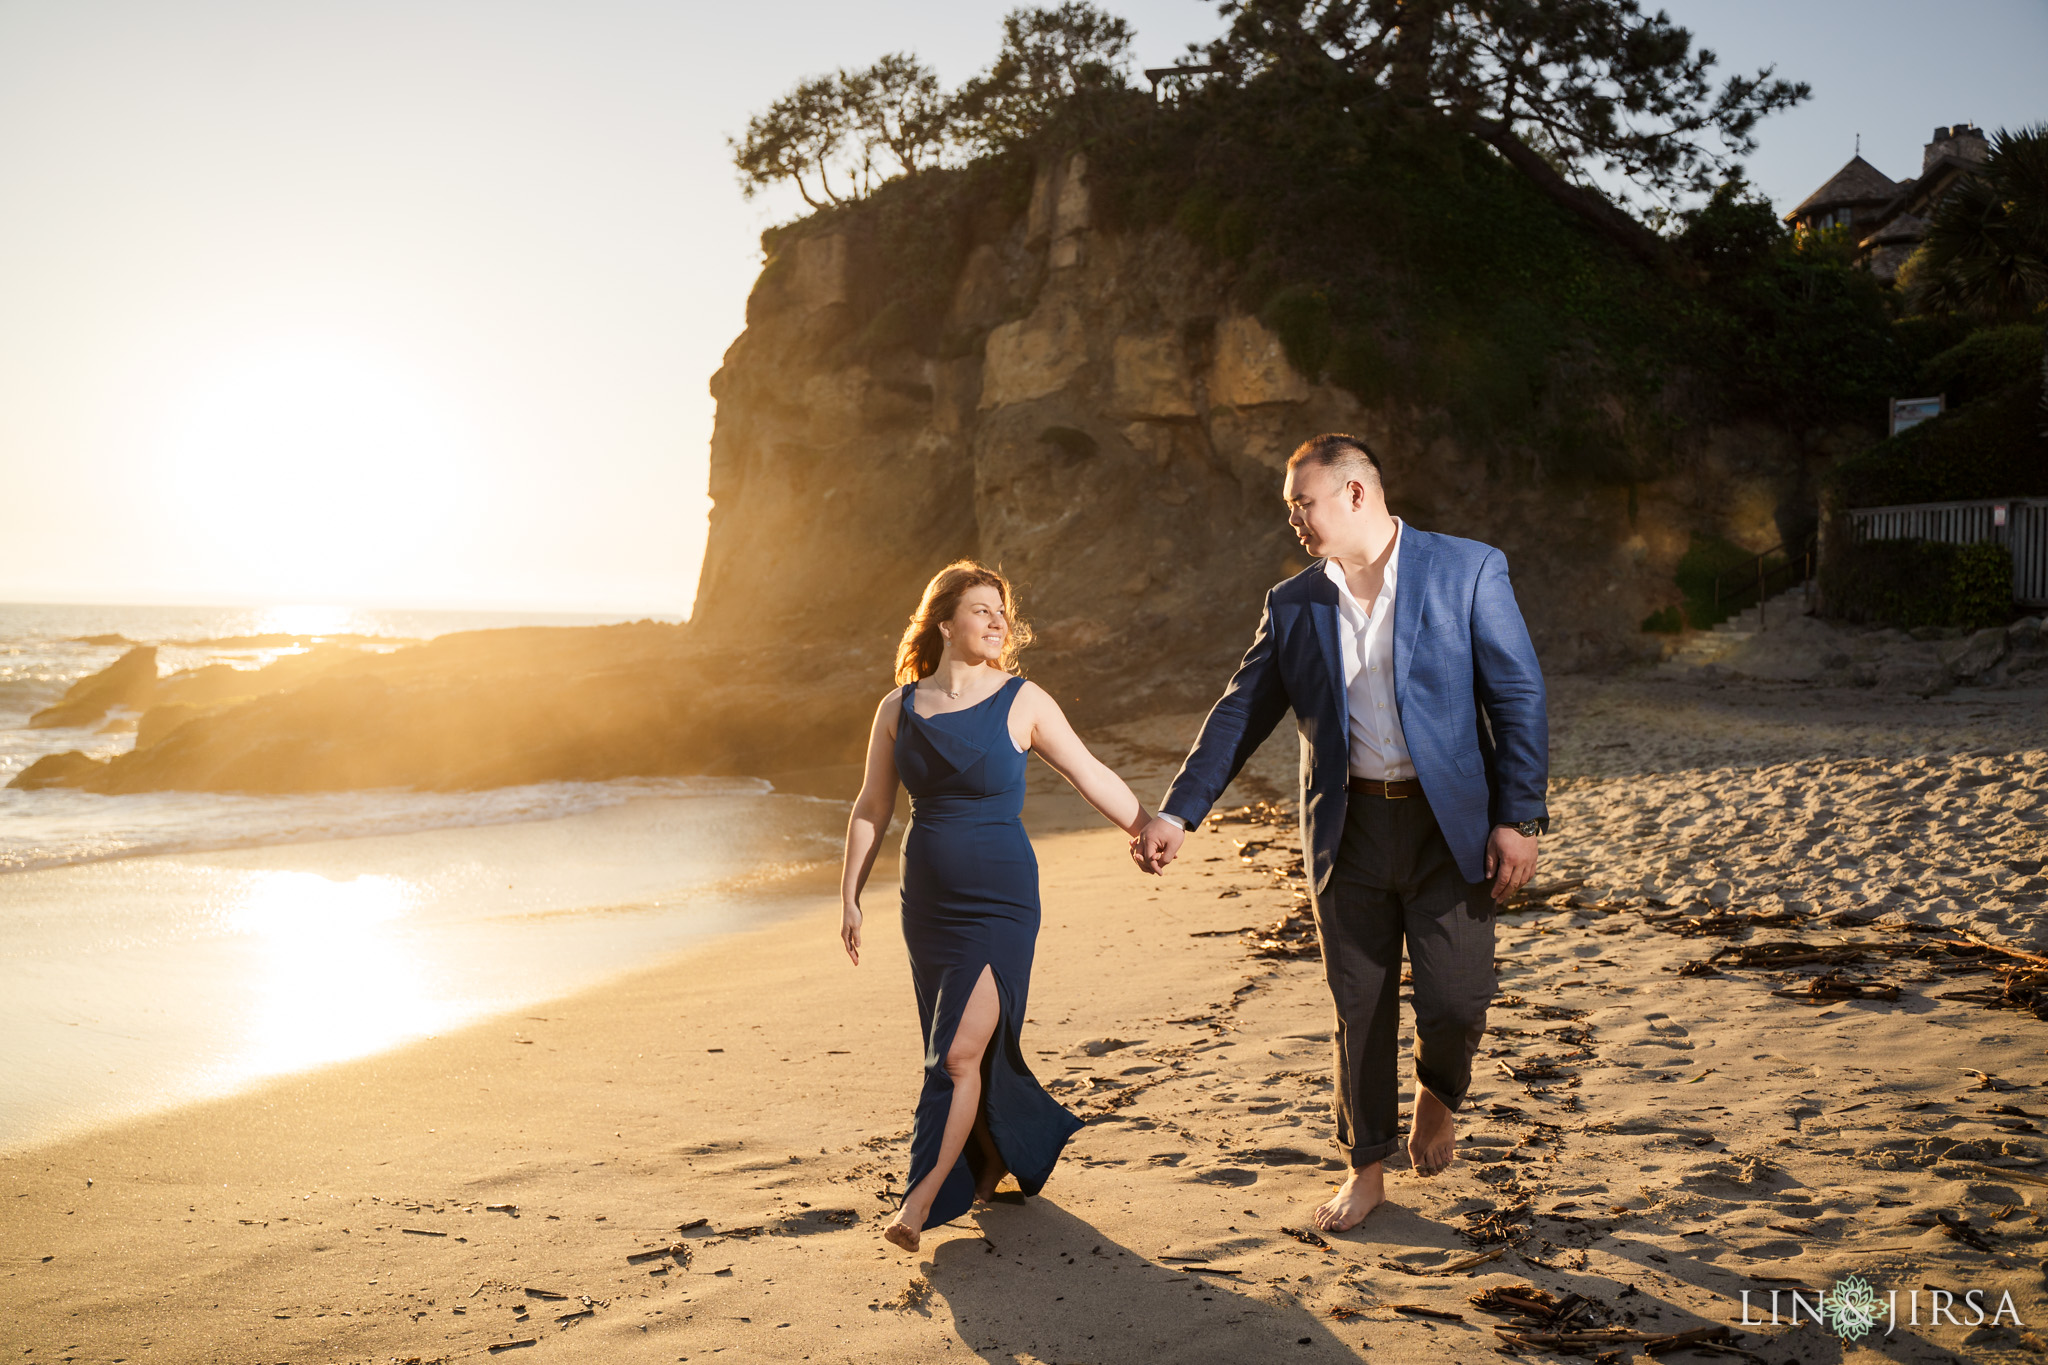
{"x": 936, "y": 1103}
{"x": 970, "y": 904}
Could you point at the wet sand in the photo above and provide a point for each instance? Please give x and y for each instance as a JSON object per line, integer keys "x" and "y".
{"x": 696, "y": 1161}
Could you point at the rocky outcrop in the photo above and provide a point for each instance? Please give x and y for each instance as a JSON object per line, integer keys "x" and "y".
{"x": 1922, "y": 663}
{"x": 489, "y": 708}
{"x": 129, "y": 681}
{"x": 71, "y": 768}
{"x": 1977, "y": 654}
{"x": 1111, "y": 429}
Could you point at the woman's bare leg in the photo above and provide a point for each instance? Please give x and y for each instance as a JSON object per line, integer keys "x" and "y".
{"x": 963, "y": 1064}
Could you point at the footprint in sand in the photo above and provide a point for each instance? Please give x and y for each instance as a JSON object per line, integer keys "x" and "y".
{"x": 1781, "y": 1250}
{"x": 1287, "y": 1156}
{"x": 812, "y": 1221}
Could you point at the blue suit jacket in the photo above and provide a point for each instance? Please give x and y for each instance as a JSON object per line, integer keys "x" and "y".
{"x": 1466, "y": 682}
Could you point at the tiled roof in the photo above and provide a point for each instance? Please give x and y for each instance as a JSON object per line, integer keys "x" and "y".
{"x": 1859, "y": 182}
{"x": 1897, "y": 230}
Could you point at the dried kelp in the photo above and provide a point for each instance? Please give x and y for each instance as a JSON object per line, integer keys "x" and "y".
{"x": 1293, "y": 935}
{"x": 1835, "y": 985}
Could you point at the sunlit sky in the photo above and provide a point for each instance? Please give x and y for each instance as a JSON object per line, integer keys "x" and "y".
{"x": 414, "y": 304}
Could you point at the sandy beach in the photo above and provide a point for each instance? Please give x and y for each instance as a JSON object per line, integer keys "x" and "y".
{"x": 696, "y": 1160}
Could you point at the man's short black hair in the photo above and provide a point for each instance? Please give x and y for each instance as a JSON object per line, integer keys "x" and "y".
{"x": 1340, "y": 453}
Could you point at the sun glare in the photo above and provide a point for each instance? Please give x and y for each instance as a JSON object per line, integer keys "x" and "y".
{"x": 307, "y": 618}
{"x": 317, "y": 470}
{"x": 336, "y": 976}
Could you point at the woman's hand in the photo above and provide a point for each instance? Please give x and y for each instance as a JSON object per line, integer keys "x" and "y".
{"x": 870, "y": 817}
{"x": 849, "y": 930}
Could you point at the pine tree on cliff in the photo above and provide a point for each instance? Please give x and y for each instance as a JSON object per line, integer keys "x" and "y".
{"x": 1560, "y": 88}
{"x": 1049, "y": 58}
{"x": 843, "y": 124}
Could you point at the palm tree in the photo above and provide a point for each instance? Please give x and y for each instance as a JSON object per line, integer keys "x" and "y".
{"x": 1986, "y": 251}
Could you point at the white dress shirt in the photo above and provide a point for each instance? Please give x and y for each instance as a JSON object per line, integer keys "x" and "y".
{"x": 1366, "y": 643}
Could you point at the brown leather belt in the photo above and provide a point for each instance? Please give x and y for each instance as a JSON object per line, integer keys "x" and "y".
{"x": 1393, "y": 791}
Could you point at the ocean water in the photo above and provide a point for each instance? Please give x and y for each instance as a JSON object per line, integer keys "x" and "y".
{"x": 45, "y": 649}
{"x": 160, "y": 948}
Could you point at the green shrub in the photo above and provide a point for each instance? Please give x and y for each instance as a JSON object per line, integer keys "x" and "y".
{"x": 1908, "y": 583}
{"x": 1980, "y": 586}
{"x": 1665, "y": 621}
{"x": 1196, "y": 215}
{"x": 1985, "y": 362}
{"x": 1923, "y": 336}
{"x": 1300, "y": 317}
{"x": 1994, "y": 448}
{"x": 1236, "y": 233}
{"x": 1359, "y": 362}
{"x": 1790, "y": 327}
{"x": 1704, "y": 560}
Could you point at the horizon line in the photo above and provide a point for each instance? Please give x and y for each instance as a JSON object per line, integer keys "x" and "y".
{"x": 497, "y": 607}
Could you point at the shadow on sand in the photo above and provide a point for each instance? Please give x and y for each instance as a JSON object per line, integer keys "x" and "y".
{"x": 1044, "y": 1285}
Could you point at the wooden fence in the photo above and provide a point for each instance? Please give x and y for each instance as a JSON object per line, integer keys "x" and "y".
{"x": 2019, "y": 524}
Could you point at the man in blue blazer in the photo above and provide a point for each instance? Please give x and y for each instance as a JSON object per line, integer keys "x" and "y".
{"x": 1424, "y": 764}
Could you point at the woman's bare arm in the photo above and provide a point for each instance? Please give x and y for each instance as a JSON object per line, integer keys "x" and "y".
{"x": 1054, "y": 740}
{"x": 870, "y": 820}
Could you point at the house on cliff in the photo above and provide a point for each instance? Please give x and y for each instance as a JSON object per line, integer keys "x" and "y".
{"x": 1886, "y": 218}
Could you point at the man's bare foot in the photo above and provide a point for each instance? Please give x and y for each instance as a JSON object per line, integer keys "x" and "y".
{"x": 903, "y": 1233}
{"x": 1432, "y": 1134}
{"x": 1362, "y": 1191}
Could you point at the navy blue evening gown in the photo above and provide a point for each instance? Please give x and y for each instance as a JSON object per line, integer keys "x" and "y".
{"x": 970, "y": 900}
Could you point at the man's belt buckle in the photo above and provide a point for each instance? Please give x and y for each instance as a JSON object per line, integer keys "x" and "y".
{"x": 1394, "y": 791}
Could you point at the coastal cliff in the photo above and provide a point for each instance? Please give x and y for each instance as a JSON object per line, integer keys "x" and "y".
{"x": 1108, "y": 424}
{"x": 1089, "y": 406}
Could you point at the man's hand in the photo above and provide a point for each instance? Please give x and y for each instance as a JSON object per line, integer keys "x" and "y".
{"x": 1513, "y": 855}
{"x": 1157, "y": 844}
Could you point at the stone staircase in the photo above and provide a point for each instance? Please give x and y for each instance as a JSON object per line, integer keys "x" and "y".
{"x": 1792, "y": 602}
{"x": 1706, "y": 646}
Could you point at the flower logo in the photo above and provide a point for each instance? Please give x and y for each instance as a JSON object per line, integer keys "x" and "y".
{"x": 1852, "y": 1307}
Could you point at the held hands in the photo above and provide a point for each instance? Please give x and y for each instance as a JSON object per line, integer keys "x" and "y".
{"x": 1513, "y": 855}
{"x": 1156, "y": 845}
{"x": 849, "y": 930}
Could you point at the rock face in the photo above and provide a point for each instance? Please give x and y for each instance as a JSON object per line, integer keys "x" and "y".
{"x": 1114, "y": 437}
{"x": 129, "y": 681}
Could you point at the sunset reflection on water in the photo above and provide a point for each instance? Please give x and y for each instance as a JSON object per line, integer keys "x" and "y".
{"x": 132, "y": 985}
{"x": 311, "y": 619}
{"x": 336, "y": 972}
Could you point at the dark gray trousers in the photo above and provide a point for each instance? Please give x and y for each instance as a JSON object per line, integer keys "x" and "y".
{"x": 1395, "y": 881}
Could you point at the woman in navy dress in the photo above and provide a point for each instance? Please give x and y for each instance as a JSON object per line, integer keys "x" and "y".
{"x": 957, "y": 734}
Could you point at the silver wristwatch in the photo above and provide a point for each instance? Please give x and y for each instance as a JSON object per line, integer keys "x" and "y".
{"x": 1529, "y": 829}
